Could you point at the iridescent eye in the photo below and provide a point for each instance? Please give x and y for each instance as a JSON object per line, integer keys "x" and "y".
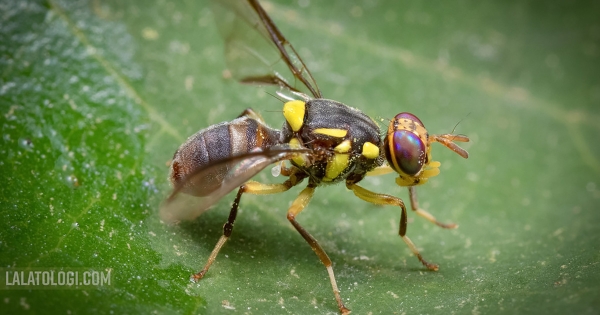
{"x": 409, "y": 151}
{"x": 405, "y": 150}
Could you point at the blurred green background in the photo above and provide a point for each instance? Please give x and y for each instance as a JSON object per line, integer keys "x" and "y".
{"x": 96, "y": 96}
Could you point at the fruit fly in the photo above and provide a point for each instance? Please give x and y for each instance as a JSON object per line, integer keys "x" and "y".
{"x": 325, "y": 141}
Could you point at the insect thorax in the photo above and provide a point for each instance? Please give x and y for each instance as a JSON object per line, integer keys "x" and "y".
{"x": 345, "y": 143}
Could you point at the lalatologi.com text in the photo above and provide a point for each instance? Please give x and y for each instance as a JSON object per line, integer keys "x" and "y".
{"x": 54, "y": 278}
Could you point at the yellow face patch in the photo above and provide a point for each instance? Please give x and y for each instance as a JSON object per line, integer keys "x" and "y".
{"x": 293, "y": 111}
{"x": 432, "y": 169}
{"x": 338, "y": 133}
{"x": 370, "y": 151}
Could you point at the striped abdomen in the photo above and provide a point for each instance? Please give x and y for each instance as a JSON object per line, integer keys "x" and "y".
{"x": 218, "y": 143}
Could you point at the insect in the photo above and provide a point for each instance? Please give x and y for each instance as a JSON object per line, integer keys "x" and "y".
{"x": 323, "y": 141}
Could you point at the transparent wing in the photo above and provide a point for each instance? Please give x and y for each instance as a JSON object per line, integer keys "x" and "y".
{"x": 182, "y": 206}
{"x": 256, "y": 51}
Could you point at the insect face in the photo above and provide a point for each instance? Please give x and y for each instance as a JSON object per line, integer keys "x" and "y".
{"x": 407, "y": 149}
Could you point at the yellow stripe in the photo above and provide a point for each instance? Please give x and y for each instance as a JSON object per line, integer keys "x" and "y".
{"x": 338, "y": 133}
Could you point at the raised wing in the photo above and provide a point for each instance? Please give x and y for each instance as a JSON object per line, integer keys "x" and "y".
{"x": 182, "y": 206}
{"x": 255, "y": 50}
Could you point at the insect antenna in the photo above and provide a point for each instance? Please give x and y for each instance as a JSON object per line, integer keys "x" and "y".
{"x": 458, "y": 123}
{"x": 449, "y": 139}
{"x": 278, "y": 96}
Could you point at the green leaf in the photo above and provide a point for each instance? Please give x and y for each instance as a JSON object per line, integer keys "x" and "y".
{"x": 96, "y": 96}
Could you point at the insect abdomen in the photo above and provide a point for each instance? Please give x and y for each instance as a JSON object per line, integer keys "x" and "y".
{"x": 216, "y": 143}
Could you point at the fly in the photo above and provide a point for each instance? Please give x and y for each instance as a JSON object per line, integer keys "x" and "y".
{"x": 324, "y": 142}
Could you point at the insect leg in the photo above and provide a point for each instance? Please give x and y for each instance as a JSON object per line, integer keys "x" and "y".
{"x": 383, "y": 199}
{"x": 382, "y": 170}
{"x": 297, "y": 207}
{"x": 250, "y": 187}
{"x": 414, "y": 204}
{"x": 227, "y": 229}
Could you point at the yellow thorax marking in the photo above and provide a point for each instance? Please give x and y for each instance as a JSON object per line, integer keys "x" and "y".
{"x": 370, "y": 151}
{"x": 293, "y": 111}
{"x": 334, "y": 168}
{"x": 298, "y": 159}
{"x": 338, "y": 133}
{"x": 343, "y": 147}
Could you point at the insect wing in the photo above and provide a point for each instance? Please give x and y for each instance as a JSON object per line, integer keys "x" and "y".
{"x": 256, "y": 51}
{"x": 181, "y": 206}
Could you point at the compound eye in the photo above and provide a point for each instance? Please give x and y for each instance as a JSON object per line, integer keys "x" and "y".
{"x": 407, "y": 152}
{"x": 408, "y": 116}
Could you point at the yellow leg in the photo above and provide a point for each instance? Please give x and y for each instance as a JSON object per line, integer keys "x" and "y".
{"x": 414, "y": 204}
{"x": 382, "y": 170}
{"x": 250, "y": 187}
{"x": 383, "y": 199}
{"x": 297, "y": 206}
